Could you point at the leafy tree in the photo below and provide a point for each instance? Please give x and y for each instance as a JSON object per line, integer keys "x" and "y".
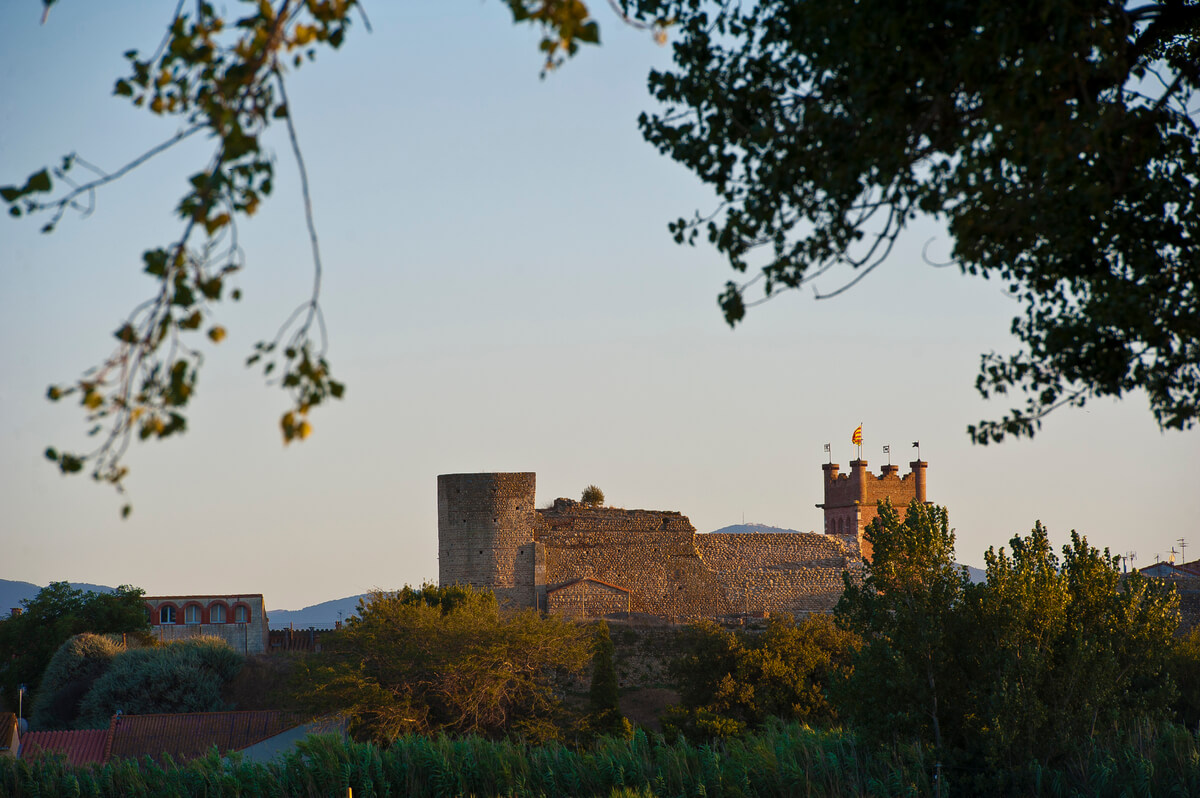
{"x": 223, "y": 77}
{"x": 72, "y": 671}
{"x": 908, "y": 610}
{"x": 592, "y": 495}
{"x": 444, "y": 660}
{"x": 1071, "y": 633}
{"x": 56, "y": 613}
{"x": 181, "y": 676}
{"x": 1058, "y": 143}
{"x": 1043, "y": 657}
{"x": 729, "y": 682}
{"x": 1184, "y": 665}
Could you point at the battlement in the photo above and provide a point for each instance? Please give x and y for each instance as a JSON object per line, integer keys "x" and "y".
{"x": 851, "y": 499}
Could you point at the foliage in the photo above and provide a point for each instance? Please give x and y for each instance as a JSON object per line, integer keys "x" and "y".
{"x": 1184, "y": 666}
{"x": 782, "y": 760}
{"x": 1045, "y": 658}
{"x": 443, "y": 660}
{"x": 72, "y": 671}
{"x": 592, "y": 495}
{"x": 1059, "y": 145}
{"x": 729, "y": 682}
{"x": 55, "y": 614}
{"x": 182, "y": 676}
{"x": 908, "y": 610}
{"x": 1053, "y": 633}
{"x": 604, "y": 711}
{"x": 223, "y": 78}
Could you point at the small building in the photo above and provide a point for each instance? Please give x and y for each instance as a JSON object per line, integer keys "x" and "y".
{"x": 239, "y": 619}
{"x": 584, "y": 598}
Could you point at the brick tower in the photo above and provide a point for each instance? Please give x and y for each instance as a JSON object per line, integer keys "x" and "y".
{"x": 851, "y": 499}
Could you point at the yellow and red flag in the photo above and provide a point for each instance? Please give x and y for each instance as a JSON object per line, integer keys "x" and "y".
{"x": 856, "y": 438}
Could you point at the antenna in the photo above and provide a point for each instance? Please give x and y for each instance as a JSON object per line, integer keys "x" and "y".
{"x": 1130, "y": 556}
{"x": 1182, "y": 551}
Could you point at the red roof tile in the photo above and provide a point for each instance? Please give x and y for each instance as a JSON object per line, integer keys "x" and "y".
{"x": 79, "y": 747}
{"x": 189, "y": 736}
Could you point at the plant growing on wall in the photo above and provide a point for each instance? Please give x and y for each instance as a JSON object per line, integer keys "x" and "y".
{"x": 592, "y": 496}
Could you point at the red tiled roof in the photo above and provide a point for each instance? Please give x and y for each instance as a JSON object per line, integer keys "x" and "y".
{"x": 191, "y": 735}
{"x": 79, "y": 747}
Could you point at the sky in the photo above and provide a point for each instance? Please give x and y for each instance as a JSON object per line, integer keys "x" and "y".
{"x": 502, "y": 294}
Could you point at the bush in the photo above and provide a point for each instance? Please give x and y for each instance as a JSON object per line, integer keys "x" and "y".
{"x": 73, "y": 669}
{"x": 183, "y": 676}
{"x": 592, "y": 495}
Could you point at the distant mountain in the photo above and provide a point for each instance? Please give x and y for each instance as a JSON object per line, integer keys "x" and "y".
{"x": 750, "y": 529}
{"x": 13, "y": 592}
{"x": 319, "y": 615}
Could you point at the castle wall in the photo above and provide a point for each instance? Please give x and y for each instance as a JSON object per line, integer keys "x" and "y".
{"x": 650, "y": 553}
{"x": 485, "y": 534}
{"x": 779, "y": 572}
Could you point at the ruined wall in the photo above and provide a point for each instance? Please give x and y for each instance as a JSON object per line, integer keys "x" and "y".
{"x": 485, "y": 534}
{"x": 780, "y": 572}
{"x": 650, "y": 553}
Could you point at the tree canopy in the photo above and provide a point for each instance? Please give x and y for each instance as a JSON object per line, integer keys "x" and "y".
{"x": 1057, "y": 142}
{"x": 1046, "y": 655}
{"x": 444, "y": 659}
{"x": 58, "y": 612}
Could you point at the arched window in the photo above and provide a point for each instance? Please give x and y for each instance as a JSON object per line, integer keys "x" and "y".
{"x": 241, "y": 614}
{"x": 191, "y": 613}
{"x": 216, "y": 613}
{"x": 166, "y": 614}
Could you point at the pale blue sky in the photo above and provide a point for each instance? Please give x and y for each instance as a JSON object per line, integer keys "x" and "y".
{"x": 502, "y": 294}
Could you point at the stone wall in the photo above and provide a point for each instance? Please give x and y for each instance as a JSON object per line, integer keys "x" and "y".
{"x": 797, "y": 572}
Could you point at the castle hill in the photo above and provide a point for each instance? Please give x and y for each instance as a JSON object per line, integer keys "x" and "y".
{"x": 586, "y": 561}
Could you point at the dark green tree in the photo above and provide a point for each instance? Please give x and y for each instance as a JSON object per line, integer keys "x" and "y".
{"x": 1058, "y": 143}
{"x": 1049, "y": 655}
{"x": 907, "y": 680}
{"x": 186, "y": 675}
{"x": 604, "y": 711}
{"x": 72, "y": 671}
{"x": 56, "y": 613}
{"x": 444, "y": 660}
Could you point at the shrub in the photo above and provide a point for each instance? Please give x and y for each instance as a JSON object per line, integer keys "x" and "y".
{"x": 70, "y": 674}
{"x": 592, "y": 495}
{"x": 183, "y": 676}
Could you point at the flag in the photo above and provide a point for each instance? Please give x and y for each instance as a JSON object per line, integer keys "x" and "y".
{"x": 856, "y": 438}
{"x": 887, "y": 449}
{"x": 827, "y": 447}
{"x": 916, "y": 444}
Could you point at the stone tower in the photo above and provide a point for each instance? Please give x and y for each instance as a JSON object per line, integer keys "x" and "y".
{"x": 485, "y": 534}
{"x": 851, "y": 499}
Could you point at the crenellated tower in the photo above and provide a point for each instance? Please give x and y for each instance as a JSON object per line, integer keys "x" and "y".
{"x": 851, "y": 499}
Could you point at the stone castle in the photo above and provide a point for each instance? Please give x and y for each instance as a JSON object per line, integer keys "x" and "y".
{"x": 587, "y": 561}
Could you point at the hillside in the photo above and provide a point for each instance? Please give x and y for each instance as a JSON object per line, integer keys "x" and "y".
{"x": 13, "y": 592}
{"x": 320, "y": 615}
